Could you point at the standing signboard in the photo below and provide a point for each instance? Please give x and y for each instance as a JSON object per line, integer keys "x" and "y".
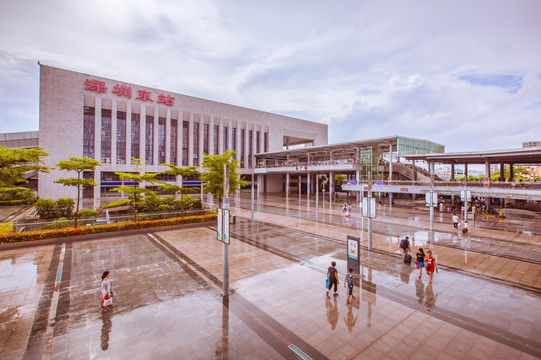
{"x": 353, "y": 254}
{"x": 226, "y": 227}
{"x": 434, "y": 199}
{"x": 369, "y": 203}
{"x": 219, "y": 233}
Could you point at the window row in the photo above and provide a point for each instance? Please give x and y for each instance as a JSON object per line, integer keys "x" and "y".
{"x": 121, "y": 136}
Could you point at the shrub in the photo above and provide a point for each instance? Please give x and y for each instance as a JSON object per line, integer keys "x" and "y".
{"x": 64, "y": 207}
{"x": 116, "y": 203}
{"x": 87, "y": 213}
{"x": 6, "y": 227}
{"x": 46, "y": 208}
{"x": 85, "y": 230}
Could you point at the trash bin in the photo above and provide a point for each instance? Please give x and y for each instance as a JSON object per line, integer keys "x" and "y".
{"x": 233, "y": 219}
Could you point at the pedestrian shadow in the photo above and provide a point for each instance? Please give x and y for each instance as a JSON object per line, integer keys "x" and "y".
{"x": 107, "y": 325}
{"x": 332, "y": 312}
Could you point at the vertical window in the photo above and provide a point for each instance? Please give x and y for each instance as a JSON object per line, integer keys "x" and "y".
{"x": 135, "y": 135}
{"x": 185, "y": 136}
{"x": 225, "y": 138}
{"x": 250, "y": 143}
{"x": 195, "y": 144}
{"x": 242, "y": 131}
{"x": 216, "y": 132}
{"x": 257, "y": 142}
{"x": 266, "y": 142}
{"x": 234, "y": 139}
{"x": 121, "y": 137}
{"x": 206, "y": 138}
{"x": 173, "y": 150}
{"x": 89, "y": 129}
{"x": 106, "y": 127}
{"x": 161, "y": 140}
{"x": 149, "y": 140}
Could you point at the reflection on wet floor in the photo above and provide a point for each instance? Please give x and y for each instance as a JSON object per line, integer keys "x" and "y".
{"x": 453, "y": 291}
{"x": 168, "y": 304}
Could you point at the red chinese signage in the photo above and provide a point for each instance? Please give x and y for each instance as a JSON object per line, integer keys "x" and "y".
{"x": 123, "y": 90}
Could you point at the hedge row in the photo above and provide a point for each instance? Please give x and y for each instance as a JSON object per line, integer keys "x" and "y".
{"x": 15, "y": 202}
{"x": 6, "y": 227}
{"x": 96, "y": 229}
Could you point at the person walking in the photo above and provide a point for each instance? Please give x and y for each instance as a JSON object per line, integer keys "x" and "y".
{"x": 455, "y": 220}
{"x": 350, "y": 282}
{"x": 106, "y": 293}
{"x": 405, "y": 245}
{"x": 430, "y": 265}
{"x": 420, "y": 261}
{"x": 332, "y": 275}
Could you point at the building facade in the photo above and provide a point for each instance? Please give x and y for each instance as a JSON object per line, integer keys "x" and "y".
{"x": 112, "y": 121}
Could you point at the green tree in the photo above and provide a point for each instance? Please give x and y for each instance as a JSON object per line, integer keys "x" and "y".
{"x": 78, "y": 165}
{"x": 182, "y": 172}
{"x": 136, "y": 192}
{"x": 213, "y": 174}
{"x": 15, "y": 164}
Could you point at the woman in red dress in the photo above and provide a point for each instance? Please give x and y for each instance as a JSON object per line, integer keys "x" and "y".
{"x": 430, "y": 265}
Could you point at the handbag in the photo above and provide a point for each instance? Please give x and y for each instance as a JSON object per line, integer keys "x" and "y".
{"x": 326, "y": 283}
{"x": 108, "y": 301}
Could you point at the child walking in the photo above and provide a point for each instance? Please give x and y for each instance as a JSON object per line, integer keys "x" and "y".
{"x": 420, "y": 261}
{"x": 350, "y": 281}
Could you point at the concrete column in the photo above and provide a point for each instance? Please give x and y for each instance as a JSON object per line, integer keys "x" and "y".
{"x": 201, "y": 139}
{"x": 190, "y": 141}
{"x": 390, "y": 172}
{"x": 452, "y": 172}
{"x": 287, "y": 185}
{"x": 142, "y": 133}
{"x": 97, "y": 152}
{"x": 511, "y": 172}
{"x": 221, "y": 136}
{"x": 502, "y": 172}
{"x": 211, "y": 135}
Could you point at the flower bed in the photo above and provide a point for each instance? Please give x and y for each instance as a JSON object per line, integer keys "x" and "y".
{"x": 6, "y": 238}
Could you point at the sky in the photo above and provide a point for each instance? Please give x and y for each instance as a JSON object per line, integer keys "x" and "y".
{"x": 464, "y": 74}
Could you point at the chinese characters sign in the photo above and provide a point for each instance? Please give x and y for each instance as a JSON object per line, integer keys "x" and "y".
{"x": 123, "y": 90}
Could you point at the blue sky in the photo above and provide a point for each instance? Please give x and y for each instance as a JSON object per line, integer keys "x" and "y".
{"x": 465, "y": 74}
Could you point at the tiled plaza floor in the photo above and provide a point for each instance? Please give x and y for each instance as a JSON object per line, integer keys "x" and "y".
{"x": 485, "y": 302}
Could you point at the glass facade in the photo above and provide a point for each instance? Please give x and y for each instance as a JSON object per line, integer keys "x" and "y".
{"x": 257, "y": 142}
{"x": 206, "y": 138}
{"x": 195, "y": 144}
{"x": 161, "y": 140}
{"x": 185, "y": 136}
{"x": 149, "y": 140}
{"x": 89, "y": 129}
{"x": 408, "y": 146}
{"x": 225, "y": 142}
{"x": 216, "y": 132}
{"x": 173, "y": 146}
{"x": 250, "y": 145}
{"x": 106, "y": 127}
{"x": 135, "y": 135}
{"x": 234, "y": 139}
{"x": 121, "y": 137}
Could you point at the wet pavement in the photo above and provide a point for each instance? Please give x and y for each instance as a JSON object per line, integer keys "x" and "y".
{"x": 484, "y": 303}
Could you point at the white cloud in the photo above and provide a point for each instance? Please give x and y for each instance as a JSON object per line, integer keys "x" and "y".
{"x": 368, "y": 69}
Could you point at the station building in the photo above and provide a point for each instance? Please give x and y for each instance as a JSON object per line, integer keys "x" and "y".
{"x": 113, "y": 121}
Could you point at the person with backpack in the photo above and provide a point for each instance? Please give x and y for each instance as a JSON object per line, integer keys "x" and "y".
{"x": 405, "y": 245}
{"x": 350, "y": 281}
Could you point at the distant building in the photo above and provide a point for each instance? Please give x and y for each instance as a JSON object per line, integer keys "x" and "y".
{"x": 113, "y": 121}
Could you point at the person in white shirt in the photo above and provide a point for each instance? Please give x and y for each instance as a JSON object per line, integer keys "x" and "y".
{"x": 106, "y": 285}
{"x": 455, "y": 221}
